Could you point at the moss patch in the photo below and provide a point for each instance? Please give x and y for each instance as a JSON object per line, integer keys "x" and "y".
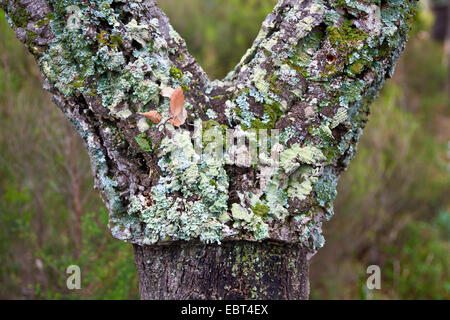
{"x": 20, "y": 17}
{"x": 347, "y": 37}
{"x": 144, "y": 142}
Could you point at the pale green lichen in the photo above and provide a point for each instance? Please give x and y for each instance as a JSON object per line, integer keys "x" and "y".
{"x": 137, "y": 32}
{"x": 340, "y": 117}
{"x": 301, "y": 190}
{"x": 249, "y": 221}
{"x": 143, "y": 125}
{"x": 202, "y": 218}
{"x": 240, "y": 213}
{"x": 259, "y": 79}
{"x": 292, "y": 158}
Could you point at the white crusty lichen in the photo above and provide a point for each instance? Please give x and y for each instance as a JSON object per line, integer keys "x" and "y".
{"x": 295, "y": 177}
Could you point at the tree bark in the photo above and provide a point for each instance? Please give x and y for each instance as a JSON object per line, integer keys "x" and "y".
{"x": 235, "y": 270}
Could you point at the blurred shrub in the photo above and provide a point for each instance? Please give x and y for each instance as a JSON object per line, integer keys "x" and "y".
{"x": 418, "y": 262}
{"x": 217, "y": 32}
{"x": 107, "y": 269}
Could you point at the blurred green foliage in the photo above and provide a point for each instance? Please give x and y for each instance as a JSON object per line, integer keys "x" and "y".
{"x": 217, "y": 32}
{"x": 392, "y": 209}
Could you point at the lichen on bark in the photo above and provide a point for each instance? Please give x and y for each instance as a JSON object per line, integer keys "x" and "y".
{"x": 311, "y": 73}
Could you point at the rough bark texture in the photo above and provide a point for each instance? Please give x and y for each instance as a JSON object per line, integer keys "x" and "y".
{"x": 311, "y": 73}
{"x": 233, "y": 271}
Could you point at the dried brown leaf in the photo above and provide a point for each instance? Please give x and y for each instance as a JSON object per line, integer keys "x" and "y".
{"x": 154, "y": 116}
{"x": 175, "y": 122}
{"x": 177, "y": 110}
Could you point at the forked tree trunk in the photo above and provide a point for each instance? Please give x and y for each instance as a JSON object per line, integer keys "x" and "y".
{"x": 311, "y": 74}
{"x": 235, "y": 270}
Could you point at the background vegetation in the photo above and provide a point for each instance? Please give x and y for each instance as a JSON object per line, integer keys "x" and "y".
{"x": 392, "y": 209}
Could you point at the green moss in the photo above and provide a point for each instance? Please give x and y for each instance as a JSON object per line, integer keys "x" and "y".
{"x": 50, "y": 16}
{"x": 112, "y": 41}
{"x": 258, "y": 124}
{"x": 300, "y": 59}
{"x": 357, "y": 67}
{"x": 20, "y": 17}
{"x": 29, "y": 41}
{"x": 93, "y": 92}
{"x": 78, "y": 83}
{"x": 176, "y": 73}
{"x": 31, "y": 34}
{"x": 40, "y": 23}
{"x": 144, "y": 142}
{"x": 330, "y": 71}
{"x": 261, "y": 210}
{"x": 300, "y": 69}
{"x": 347, "y": 37}
{"x": 124, "y": 83}
{"x": 116, "y": 41}
{"x": 102, "y": 38}
{"x": 339, "y": 3}
{"x": 331, "y": 153}
{"x": 181, "y": 58}
{"x": 273, "y": 85}
{"x": 274, "y": 112}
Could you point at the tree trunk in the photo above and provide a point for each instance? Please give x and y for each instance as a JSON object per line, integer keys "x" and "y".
{"x": 314, "y": 69}
{"x": 234, "y": 270}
